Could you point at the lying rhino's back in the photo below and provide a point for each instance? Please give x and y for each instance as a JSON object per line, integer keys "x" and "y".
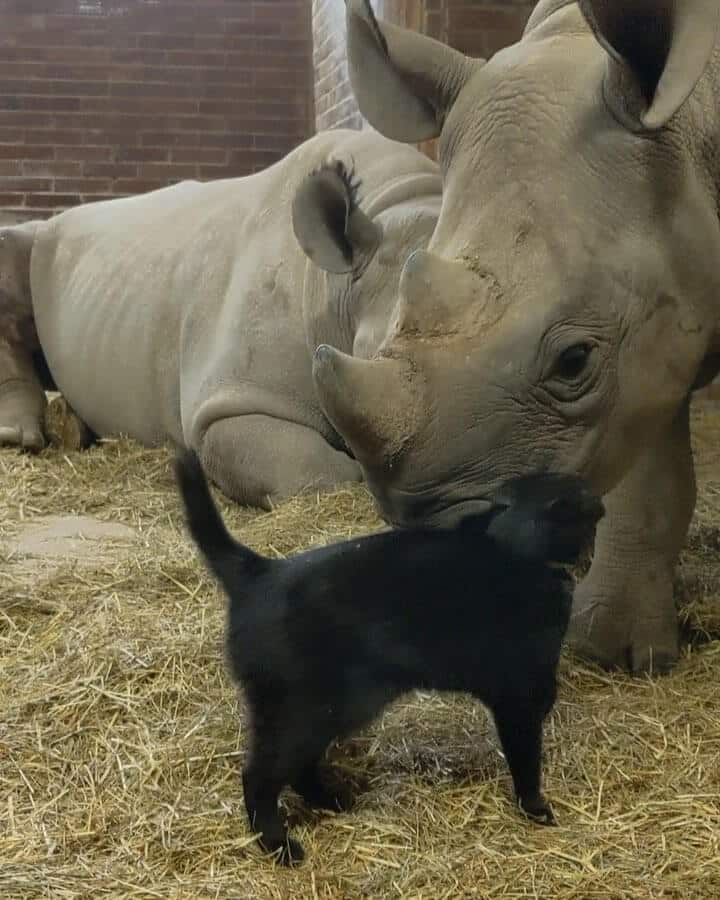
{"x": 115, "y": 283}
{"x": 145, "y": 305}
{"x": 112, "y": 283}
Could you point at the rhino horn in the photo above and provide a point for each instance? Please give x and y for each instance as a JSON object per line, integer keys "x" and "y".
{"x": 440, "y": 296}
{"x": 370, "y": 402}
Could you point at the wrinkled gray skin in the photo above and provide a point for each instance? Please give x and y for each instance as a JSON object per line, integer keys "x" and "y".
{"x": 190, "y": 314}
{"x": 22, "y": 398}
{"x": 568, "y": 302}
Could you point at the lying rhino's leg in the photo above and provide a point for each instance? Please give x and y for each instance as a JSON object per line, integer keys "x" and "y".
{"x": 624, "y": 613}
{"x": 260, "y": 461}
{"x": 22, "y": 398}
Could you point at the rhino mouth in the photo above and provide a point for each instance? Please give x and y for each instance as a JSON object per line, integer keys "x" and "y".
{"x": 568, "y": 510}
{"x": 429, "y": 513}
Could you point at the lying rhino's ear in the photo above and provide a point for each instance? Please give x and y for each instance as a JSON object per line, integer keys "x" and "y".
{"x": 404, "y": 83}
{"x": 658, "y": 50}
{"x": 328, "y": 223}
{"x": 20, "y": 238}
{"x": 16, "y": 243}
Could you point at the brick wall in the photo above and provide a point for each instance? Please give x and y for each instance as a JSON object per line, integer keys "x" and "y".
{"x": 481, "y": 29}
{"x": 334, "y": 104}
{"x": 476, "y": 27}
{"x": 103, "y": 98}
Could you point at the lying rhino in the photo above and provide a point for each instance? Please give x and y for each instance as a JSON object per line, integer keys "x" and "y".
{"x": 190, "y": 314}
{"x": 567, "y": 304}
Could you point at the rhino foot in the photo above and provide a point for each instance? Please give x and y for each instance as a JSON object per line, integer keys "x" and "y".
{"x": 619, "y": 632}
{"x": 25, "y": 435}
{"x": 22, "y": 404}
{"x": 624, "y": 613}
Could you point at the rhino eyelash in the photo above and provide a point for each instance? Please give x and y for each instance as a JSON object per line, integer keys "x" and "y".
{"x": 349, "y": 179}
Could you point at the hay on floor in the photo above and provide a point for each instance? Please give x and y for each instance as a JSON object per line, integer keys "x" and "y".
{"x": 121, "y": 736}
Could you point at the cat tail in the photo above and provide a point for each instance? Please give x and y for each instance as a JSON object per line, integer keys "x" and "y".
{"x": 226, "y": 557}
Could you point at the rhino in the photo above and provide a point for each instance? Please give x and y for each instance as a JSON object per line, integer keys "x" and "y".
{"x": 189, "y": 315}
{"x": 566, "y": 306}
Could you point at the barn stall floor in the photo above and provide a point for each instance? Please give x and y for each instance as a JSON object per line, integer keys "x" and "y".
{"x": 121, "y": 735}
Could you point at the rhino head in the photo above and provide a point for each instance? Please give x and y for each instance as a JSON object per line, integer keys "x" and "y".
{"x": 561, "y": 312}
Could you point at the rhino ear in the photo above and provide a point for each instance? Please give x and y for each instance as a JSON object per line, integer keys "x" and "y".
{"x": 16, "y": 243}
{"x": 328, "y": 223}
{"x": 404, "y": 83}
{"x": 658, "y": 50}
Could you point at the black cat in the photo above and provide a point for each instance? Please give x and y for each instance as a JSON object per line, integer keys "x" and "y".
{"x": 323, "y": 641}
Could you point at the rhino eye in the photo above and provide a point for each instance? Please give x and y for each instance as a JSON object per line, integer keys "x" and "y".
{"x": 572, "y": 362}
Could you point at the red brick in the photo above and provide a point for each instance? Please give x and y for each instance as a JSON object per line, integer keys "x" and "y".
{"x": 109, "y": 170}
{"x": 99, "y": 121}
{"x": 11, "y": 135}
{"x": 230, "y": 106}
{"x": 170, "y": 171}
{"x": 274, "y": 11}
{"x": 109, "y": 137}
{"x": 200, "y": 155}
{"x": 137, "y": 57}
{"x": 52, "y": 137}
{"x": 195, "y": 123}
{"x": 240, "y": 83}
{"x": 50, "y": 168}
{"x": 75, "y": 88}
{"x": 98, "y": 198}
{"x": 253, "y": 157}
{"x": 148, "y": 89}
{"x": 194, "y": 58}
{"x": 480, "y": 18}
{"x": 80, "y": 185}
{"x": 147, "y": 105}
{"x": 202, "y": 139}
{"x": 277, "y": 78}
{"x": 26, "y": 184}
{"x": 31, "y": 102}
{"x": 141, "y": 154}
{"x": 169, "y": 138}
{"x": 23, "y": 151}
{"x": 231, "y": 170}
{"x": 47, "y": 201}
{"x": 137, "y": 185}
{"x": 83, "y": 153}
{"x": 166, "y": 42}
{"x": 276, "y": 143}
{"x": 29, "y": 119}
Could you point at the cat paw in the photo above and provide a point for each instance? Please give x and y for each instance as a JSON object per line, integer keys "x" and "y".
{"x": 285, "y": 852}
{"x": 538, "y": 810}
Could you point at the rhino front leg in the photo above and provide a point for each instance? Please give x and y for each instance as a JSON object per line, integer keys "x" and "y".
{"x": 624, "y": 613}
{"x": 260, "y": 461}
{"x": 22, "y": 398}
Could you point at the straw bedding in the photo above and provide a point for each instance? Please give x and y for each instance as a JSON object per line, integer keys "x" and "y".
{"x": 121, "y": 735}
